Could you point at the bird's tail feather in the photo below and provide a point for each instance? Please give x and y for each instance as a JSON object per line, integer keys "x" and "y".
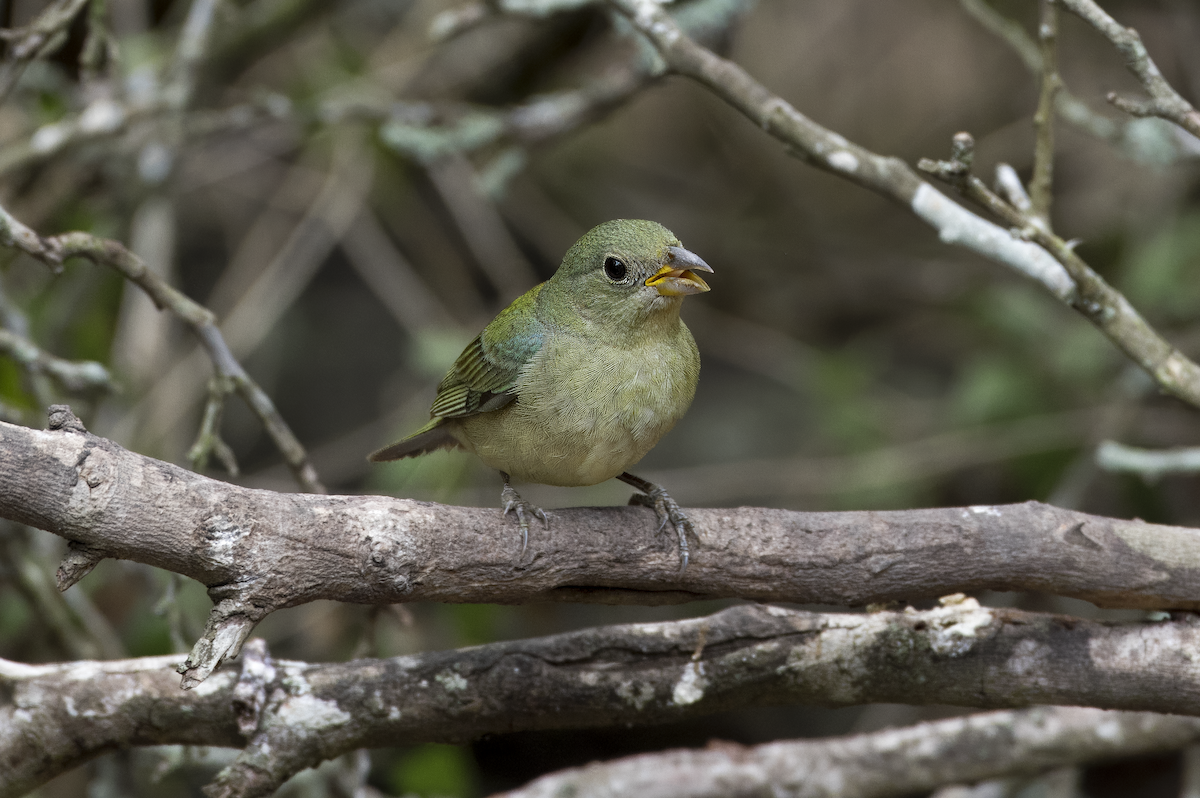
{"x": 429, "y": 438}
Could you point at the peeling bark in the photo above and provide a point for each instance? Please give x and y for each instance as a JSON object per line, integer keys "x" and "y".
{"x": 296, "y": 715}
{"x": 258, "y": 551}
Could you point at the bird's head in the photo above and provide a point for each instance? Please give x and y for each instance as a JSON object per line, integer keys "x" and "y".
{"x": 628, "y": 271}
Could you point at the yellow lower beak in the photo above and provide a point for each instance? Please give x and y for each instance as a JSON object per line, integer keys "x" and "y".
{"x": 671, "y": 281}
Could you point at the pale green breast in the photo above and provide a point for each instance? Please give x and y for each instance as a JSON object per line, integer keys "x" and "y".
{"x": 586, "y": 410}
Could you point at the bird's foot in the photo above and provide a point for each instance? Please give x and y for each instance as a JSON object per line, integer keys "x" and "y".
{"x": 667, "y": 510}
{"x": 513, "y": 503}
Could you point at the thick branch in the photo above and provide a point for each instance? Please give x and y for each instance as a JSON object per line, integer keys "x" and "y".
{"x": 258, "y": 551}
{"x": 298, "y": 714}
{"x": 885, "y": 763}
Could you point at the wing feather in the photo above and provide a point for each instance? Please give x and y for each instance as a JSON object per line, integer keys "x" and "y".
{"x": 484, "y": 378}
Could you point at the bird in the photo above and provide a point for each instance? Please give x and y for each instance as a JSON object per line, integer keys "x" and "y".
{"x": 576, "y": 380}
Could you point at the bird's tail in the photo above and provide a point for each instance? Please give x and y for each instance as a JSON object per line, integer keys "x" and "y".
{"x": 429, "y": 438}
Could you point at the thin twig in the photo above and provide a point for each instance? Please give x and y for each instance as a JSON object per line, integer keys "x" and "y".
{"x": 44, "y": 35}
{"x": 1041, "y": 186}
{"x": 54, "y": 250}
{"x": 1071, "y": 280}
{"x": 1098, "y": 301}
{"x": 1149, "y": 463}
{"x": 1126, "y": 135}
{"x": 76, "y": 376}
{"x": 1164, "y": 101}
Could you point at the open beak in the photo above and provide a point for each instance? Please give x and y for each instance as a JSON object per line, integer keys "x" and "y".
{"x": 678, "y": 275}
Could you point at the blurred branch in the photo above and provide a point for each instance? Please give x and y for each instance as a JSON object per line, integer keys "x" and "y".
{"x": 1164, "y": 102}
{"x": 40, "y": 38}
{"x": 54, "y": 250}
{"x": 191, "y": 50}
{"x": 75, "y": 626}
{"x": 481, "y": 226}
{"x": 1041, "y": 186}
{"x": 259, "y": 551}
{"x": 392, "y": 278}
{"x": 892, "y": 762}
{"x": 1132, "y": 137}
{"x": 1149, "y": 463}
{"x": 1094, "y": 298}
{"x": 208, "y": 439}
{"x": 293, "y": 715}
{"x": 75, "y": 376}
{"x": 275, "y": 286}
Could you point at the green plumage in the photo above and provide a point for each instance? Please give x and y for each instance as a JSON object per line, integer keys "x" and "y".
{"x": 578, "y": 378}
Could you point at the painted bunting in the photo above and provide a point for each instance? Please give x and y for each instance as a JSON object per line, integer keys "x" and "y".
{"x": 578, "y": 378}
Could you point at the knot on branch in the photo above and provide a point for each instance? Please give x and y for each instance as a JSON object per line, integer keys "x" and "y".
{"x": 61, "y": 418}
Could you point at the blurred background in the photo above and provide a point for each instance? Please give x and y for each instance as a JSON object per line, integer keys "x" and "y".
{"x": 356, "y": 188}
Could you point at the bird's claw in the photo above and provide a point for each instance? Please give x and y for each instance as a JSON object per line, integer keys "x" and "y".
{"x": 513, "y": 503}
{"x": 668, "y": 511}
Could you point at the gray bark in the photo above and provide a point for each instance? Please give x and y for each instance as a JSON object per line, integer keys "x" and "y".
{"x": 294, "y": 715}
{"x": 258, "y": 551}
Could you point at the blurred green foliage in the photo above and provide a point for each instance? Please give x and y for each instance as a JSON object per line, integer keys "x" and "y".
{"x": 435, "y": 771}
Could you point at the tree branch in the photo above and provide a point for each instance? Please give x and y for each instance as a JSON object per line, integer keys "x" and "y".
{"x": 1128, "y": 136}
{"x": 76, "y": 376}
{"x": 1040, "y": 187}
{"x": 1164, "y": 101}
{"x": 1149, "y": 463}
{"x": 886, "y": 763}
{"x": 1096, "y": 300}
{"x": 259, "y": 551}
{"x": 42, "y": 37}
{"x": 296, "y": 714}
{"x": 55, "y": 250}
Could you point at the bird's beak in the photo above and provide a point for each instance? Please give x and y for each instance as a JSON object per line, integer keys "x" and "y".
{"x": 678, "y": 275}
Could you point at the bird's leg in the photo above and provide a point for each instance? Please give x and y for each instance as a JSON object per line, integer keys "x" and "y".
{"x": 667, "y": 509}
{"x": 514, "y": 503}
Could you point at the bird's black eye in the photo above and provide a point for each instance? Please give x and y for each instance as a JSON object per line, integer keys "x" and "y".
{"x": 615, "y": 269}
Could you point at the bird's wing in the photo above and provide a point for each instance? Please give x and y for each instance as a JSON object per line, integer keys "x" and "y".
{"x": 484, "y": 378}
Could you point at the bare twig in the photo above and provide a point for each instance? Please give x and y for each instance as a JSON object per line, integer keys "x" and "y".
{"x": 190, "y": 52}
{"x": 275, "y": 286}
{"x": 54, "y": 250}
{"x": 75, "y": 376}
{"x": 1072, "y": 281}
{"x": 1041, "y": 186}
{"x": 1149, "y": 463}
{"x": 1098, "y": 301}
{"x": 1128, "y": 136}
{"x": 893, "y": 762}
{"x": 44, "y": 35}
{"x": 1164, "y": 101}
{"x": 208, "y": 439}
